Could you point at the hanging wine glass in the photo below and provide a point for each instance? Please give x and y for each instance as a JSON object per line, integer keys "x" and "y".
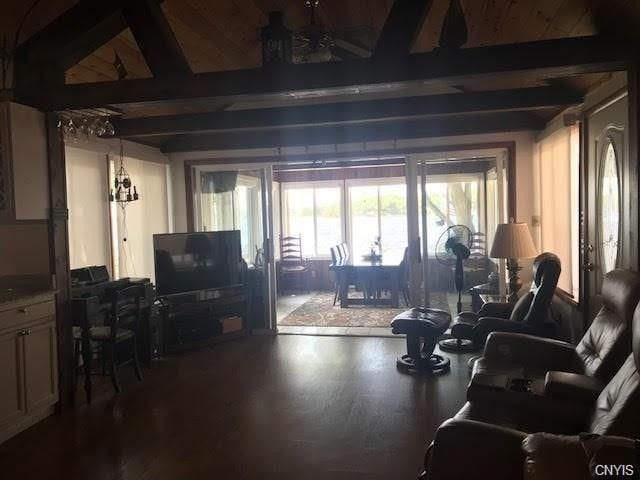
{"x": 84, "y": 128}
{"x": 72, "y": 131}
{"x": 100, "y": 130}
{"x": 109, "y": 130}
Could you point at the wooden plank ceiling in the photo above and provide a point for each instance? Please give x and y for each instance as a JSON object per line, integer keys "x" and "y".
{"x": 225, "y": 35}
{"x": 220, "y": 36}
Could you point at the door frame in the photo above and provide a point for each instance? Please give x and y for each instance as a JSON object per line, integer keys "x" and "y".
{"x": 266, "y": 176}
{"x": 505, "y": 158}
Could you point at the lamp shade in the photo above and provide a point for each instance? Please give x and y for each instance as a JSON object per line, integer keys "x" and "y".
{"x": 513, "y": 240}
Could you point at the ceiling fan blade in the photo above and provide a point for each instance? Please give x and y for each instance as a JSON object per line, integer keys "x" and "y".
{"x": 356, "y": 50}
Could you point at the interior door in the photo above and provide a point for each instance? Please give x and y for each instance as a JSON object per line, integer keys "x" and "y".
{"x": 608, "y": 229}
{"x": 241, "y": 199}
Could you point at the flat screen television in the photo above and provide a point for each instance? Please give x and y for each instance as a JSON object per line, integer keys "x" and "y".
{"x": 187, "y": 262}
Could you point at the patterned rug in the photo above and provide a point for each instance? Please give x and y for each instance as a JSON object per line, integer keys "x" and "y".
{"x": 320, "y": 312}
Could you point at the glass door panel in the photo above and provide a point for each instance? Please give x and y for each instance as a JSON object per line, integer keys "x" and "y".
{"x": 241, "y": 200}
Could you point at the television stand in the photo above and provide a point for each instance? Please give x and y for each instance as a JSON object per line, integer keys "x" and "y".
{"x": 203, "y": 317}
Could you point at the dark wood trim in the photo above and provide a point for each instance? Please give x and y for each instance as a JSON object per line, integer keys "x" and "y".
{"x": 374, "y": 155}
{"x": 59, "y": 258}
{"x": 340, "y": 134}
{"x": 189, "y": 192}
{"x": 155, "y": 38}
{"x": 395, "y": 108}
{"x": 401, "y": 28}
{"x": 543, "y": 59}
{"x": 389, "y": 171}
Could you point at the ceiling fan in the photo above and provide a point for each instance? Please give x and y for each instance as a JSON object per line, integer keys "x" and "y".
{"x": 314, "y": 43}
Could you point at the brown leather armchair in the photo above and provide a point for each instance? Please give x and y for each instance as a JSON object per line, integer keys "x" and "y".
{"x": 599, "y": 354}
{"x": 487, "y": 436}
{"x": 539, "y": 456}
{"x": 530, "y": 314}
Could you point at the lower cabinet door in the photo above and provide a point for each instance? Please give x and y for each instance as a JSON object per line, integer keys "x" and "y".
{"x": 41, "y": 376}
{"x": 12, "y": 403}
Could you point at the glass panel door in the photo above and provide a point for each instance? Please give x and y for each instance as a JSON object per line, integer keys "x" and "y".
{"x": 242, "y": 200}
{"x": 455, "y": 194}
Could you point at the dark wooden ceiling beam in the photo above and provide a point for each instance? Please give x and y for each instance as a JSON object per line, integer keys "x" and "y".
{"x": 73, "y": 35}
{"x": 340, "y": 134}
{"x": 155, "y": 38}
{"x": 376, "y": 110}
{"x": 540, "y": 59}
{"x": 401, "y": 28}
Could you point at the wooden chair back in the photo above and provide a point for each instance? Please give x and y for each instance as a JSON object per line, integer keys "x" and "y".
{"x": 126, "y": 309}
{"x": 291, "y": 249}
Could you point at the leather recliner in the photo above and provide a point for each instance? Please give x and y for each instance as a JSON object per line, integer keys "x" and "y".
{"x": 530, "y": 314}
{"x": 599, "y": 354}
{"x": 490, "y": 443}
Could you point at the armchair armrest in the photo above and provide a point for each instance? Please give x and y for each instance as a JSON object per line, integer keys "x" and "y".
{"x": 488, "y": 451}
{"x": 554, "y": 456}
{"x": 500, "y": 310}
{"x": 572, "y": 386}
{"x": 577, "y": 457}
{"x": 529, "y": 350}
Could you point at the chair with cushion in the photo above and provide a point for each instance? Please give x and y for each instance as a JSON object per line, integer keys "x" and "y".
{"x": 530, "y": 314}
{"x": 423, "y": 327}
{"x": 120, "y": 330}
{"x": 599, "y": 354}
{"x": 491, "y": 433}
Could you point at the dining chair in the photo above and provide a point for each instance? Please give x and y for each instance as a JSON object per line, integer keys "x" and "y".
{"x": 292, "y": 265}
{"x": 122, "y": 326}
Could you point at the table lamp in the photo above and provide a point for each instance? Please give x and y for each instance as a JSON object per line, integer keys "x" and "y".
{"x": 513, "y": 241}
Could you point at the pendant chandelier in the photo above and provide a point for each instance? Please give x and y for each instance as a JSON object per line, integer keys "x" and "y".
{"x": 123, "y": 191}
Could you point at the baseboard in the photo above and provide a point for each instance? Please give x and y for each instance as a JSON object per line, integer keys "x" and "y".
{"x": 263, "y": 331}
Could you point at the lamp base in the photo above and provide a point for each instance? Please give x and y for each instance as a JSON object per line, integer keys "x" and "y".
{"x": 514, "y": 280}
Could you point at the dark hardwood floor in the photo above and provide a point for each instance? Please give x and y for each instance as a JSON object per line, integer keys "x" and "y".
{"x": 289, "y": 407}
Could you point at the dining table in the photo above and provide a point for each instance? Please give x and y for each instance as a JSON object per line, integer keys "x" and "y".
{"x": 371, "y": 274}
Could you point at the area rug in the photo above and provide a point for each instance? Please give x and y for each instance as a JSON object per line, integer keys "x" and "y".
{"x": 320, "y": 312}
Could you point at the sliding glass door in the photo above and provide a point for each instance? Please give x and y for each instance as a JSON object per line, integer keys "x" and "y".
{"x": 241, "y": 199}
{"x": 469, "y": 194}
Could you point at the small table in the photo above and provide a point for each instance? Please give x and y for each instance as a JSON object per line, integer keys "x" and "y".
{"x": 369, "y": 272}
{"x": 492, "y": 298}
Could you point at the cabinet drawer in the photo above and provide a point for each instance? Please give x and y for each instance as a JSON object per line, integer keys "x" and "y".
{"x": 27, "y": 313}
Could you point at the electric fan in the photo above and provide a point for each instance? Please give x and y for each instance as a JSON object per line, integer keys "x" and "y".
{"x": 452, "y": 249}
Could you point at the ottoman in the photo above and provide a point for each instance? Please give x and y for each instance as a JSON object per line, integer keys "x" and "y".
{"x": 423, "y": 327}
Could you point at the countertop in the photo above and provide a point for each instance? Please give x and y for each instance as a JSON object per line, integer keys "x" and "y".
{"x": 21, "y": 288}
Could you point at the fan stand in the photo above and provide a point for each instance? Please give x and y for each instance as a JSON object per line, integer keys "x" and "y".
{"x": 458, "y": 344}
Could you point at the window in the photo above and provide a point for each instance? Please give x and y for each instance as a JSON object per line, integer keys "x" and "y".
{"x": 558, "y": 163}
{"x": 378, "y": 210}
{"x": 315, "y": 213}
